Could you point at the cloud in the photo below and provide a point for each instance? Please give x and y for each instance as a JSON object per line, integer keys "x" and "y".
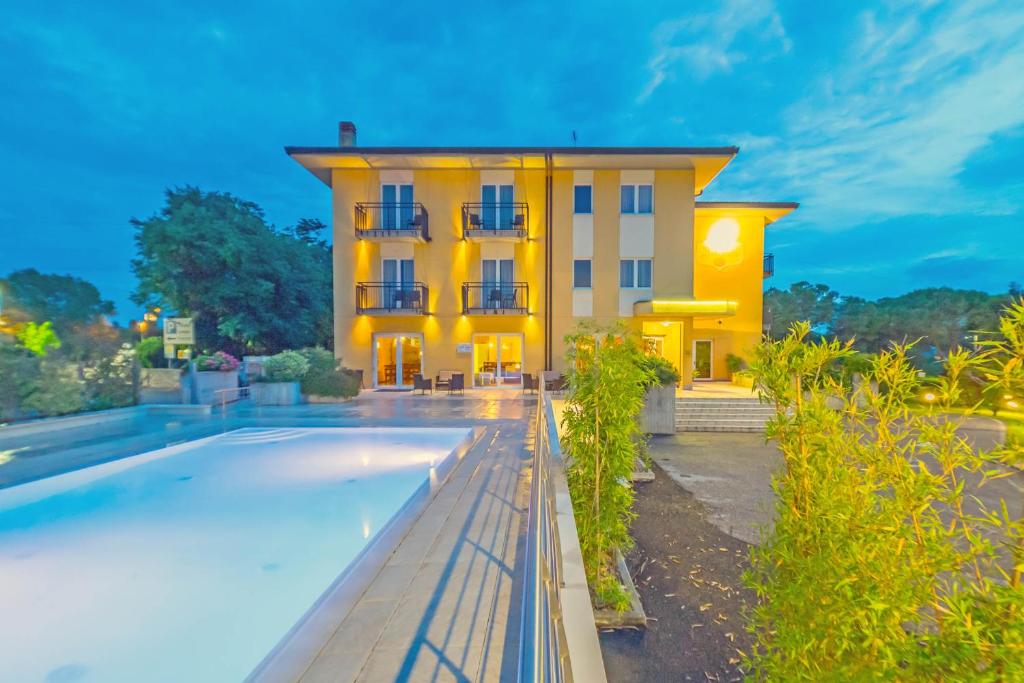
{"x": 888, "y": 131}
{"x": 714, "y": 42}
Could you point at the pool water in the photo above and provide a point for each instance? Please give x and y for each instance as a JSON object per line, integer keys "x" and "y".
{"x": 191, "y": 563}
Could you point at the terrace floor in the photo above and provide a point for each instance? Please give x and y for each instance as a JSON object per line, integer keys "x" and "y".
{"x": 445, "y": 604}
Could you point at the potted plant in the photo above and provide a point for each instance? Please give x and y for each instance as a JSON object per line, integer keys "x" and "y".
{"x": 216, "y": 372}
{"x": 279, "y": 383}
{"x": 738, "y": 371}
{"x": 659, "y": 412}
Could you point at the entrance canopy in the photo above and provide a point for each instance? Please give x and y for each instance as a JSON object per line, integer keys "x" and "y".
{"x": 678, "y": 309}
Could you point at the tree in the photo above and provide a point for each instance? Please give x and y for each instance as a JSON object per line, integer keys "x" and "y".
{"x": 39, "y": 339}
{"x": 801, "y": 302}
{"x": 67, "y": 301}
{"x": 250, "y": 288}
{"x": 309, "y": 230}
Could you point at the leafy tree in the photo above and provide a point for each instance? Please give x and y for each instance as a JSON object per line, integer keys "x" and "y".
{"x": 214, "y": 257}
{"x": 150, "y": 352}
{"x": 802, "y": 301}
{"x": 67, "y": 301}
{"x": 309, "y": 230}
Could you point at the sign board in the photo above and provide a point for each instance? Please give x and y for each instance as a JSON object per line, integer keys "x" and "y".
{"x": 184, "y": 354}
{"x": 464, "y": 348}
{"x": 179, "y": 331}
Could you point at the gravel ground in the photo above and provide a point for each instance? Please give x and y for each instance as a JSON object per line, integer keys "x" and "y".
{"x": 688, "y": 574}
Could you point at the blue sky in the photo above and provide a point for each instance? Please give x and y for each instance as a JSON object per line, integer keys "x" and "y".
{"x": 899, "y": 129}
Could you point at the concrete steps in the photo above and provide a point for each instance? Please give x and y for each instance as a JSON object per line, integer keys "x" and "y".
{"x": 721, "y": 415}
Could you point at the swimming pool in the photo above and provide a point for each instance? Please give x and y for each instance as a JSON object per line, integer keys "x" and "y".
{"x": 191, "y": 563}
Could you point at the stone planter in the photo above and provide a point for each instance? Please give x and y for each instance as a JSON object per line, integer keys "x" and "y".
{"x": 207, "y": 384}
{"x": 659, "y": 413}
{"x": 743, "y": 381}
{"x": 160, "y": 385}
{"x": 316, "y": 398}
{"x": 276, "y": 393}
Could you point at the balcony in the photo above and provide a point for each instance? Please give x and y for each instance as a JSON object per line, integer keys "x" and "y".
{"x": 769, "y": 265}
{"x": 391, "y": 298}
{"x": 495, "y": 298}
{"x": 495, "y": 221}
{"x": 380, "y": 221}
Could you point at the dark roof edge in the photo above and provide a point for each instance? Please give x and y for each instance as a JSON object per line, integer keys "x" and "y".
{"x": 694, "y": 151}
{"x": 747, "y": 205}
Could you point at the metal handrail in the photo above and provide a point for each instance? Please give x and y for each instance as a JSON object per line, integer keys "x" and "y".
{"x": 238, "y": 392}
{"x": 392, "y": 297}
{"x": 392, "y": 219}
{"x": 512, "y": 218}
{"x": 558, "y": 637}
{"x": 495, "y": 297}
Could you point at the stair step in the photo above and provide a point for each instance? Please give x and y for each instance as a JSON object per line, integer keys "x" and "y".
{"x": 752, "y": 429}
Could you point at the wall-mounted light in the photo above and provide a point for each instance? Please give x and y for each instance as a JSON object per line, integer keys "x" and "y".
{"x": 721, "y": 246}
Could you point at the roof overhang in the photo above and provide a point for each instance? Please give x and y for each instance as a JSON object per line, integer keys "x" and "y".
{"x": 770, "y": 211}
{"x": 706, "y": 162}
{"x": 671, "y": 309}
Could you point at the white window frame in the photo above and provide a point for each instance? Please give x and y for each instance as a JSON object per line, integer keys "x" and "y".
{"x": 635, "y": 188}
{"x": 636, "y": 273}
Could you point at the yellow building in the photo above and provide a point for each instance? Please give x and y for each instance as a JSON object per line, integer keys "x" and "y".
{"x": 480, "y": 260}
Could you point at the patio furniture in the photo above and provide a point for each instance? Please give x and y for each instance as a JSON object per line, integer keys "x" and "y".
{"x": 474, "y": 221}
{"x": 530, "y": 383}
{"x": 457, "y": 383}
{"x": 443, "y": 379}
{"x": 494, "y": 299}
{"x": 519, "y": 222}
{"x": 422, "y": 384}
{"x": 554, "y": 381}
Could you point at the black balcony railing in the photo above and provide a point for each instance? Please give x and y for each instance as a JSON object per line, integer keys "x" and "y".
{"x": 769, "y": 265}
{"x": 379, "y": 219}
{"x": 495, "y": 297}
{"x": 391, "y": 297}
{"x": 506, "y": 219}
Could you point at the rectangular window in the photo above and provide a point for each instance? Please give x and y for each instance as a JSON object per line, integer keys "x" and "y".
{"x": 645, "y": 199}
{"x": 626, "y": 273}
{"x": 643, "y": 273}
{"x": 628, "y": 201}
{"x": 582, "y": 199}
{"x": 581, "y": 273}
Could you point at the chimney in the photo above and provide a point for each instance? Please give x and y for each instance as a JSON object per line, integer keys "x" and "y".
{"x": 346, "y": 134}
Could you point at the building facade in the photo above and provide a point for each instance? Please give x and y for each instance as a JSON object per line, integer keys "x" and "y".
{"x": 480, "y": 260}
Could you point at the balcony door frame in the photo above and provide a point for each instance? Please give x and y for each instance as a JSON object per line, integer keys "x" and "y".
{"x": 402, "y": 197}
{"x": 499, "y": 204}
{"x": 397, "y": 336}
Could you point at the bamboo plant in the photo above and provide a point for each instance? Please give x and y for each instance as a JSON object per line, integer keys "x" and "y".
{"x": 881, "y": 564}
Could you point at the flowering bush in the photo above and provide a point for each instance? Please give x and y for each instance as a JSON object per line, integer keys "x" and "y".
{"x": 217, "y": 362}
{"x": 287, "y": 366}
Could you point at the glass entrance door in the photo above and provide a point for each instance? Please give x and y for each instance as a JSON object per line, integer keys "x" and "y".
{"x": 497, "y": 360}
{"x": 702, "y": 358}
{"x": 396, "y": 358}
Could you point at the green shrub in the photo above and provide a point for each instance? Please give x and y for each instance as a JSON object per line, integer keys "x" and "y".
{"x": 287, "y": 366}
{"x": 607, "y": 379}
{"x": 735, "y": 363}
{"x": 19, "y": 371}
{"x": 220, "y": 361}
{"x": 39, "y": 339}
{"x": 109, "y": 381}
{"x": 150, "y": 352}
{"x": 326, "y": 377}
{"x": 56, "y": 390}
{"x": 662, "y": 371}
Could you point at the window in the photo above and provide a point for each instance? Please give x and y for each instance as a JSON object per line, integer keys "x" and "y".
{"x": 396, "y": 206}
{"x": 582, "y": 199}
{"x": 643, "y": 273}
{"x": 635, "y": 273}
{"x": 581, "y": 273}
{"x": 626, "y": 273}
{"x": 628, "y": 203}
{"x": 645, "y": 199}
{"x": 637, "y": 199}
{"x": 496, "y": 210}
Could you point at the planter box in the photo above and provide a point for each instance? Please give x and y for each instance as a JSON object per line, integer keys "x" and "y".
{"x": 208, "y": 383}
{"x": 276, "y": 393}
{"x": 743, "y": 381}
{"x": 634, "y": 617}
{"x": 316, "y": 398}
{"x": 659, "y": 413}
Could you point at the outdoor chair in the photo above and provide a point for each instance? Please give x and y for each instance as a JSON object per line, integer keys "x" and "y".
{"x": 519, "y": 222}
{"x": 422, "y": 384}
{"x": 443, "y": 379}
{"x": 508, "y": 300}
{"x": 530, "y": 383}
{"x": 554, "y": 381}
{"x": 474, "y": 221}
{"x": 494, "y": 299}
{"x": 457, "y": 383}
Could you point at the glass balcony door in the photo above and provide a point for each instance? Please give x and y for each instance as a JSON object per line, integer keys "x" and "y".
{"x": 398, "y": 276}
{"x": 496, "y": 211}
{"x": 396, "y": 358}
{"x": 396, "y": 207}
{"x": 497, "y": 360}
{"x": 497, "y": 276}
